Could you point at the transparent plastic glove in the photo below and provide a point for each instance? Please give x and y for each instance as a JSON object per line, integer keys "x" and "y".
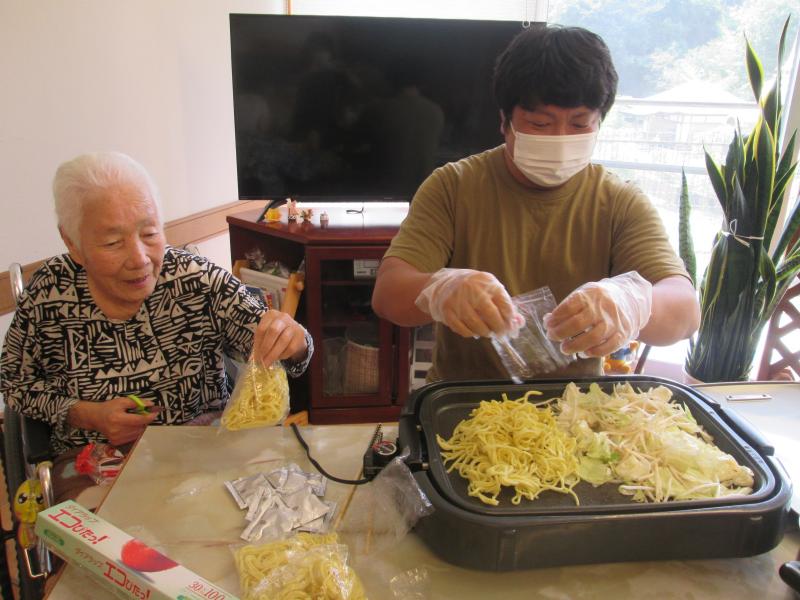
{"x": 601, "y": 316}
{"x": 471, "y": 303}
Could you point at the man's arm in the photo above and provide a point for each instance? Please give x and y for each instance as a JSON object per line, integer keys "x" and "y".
{"x": 471, "y": 303}
{"x": 675, "y": 314}
{"x": 396, "y": 289}
{"x": 601, "y": 316}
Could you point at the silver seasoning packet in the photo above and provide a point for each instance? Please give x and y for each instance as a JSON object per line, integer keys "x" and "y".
{"x": 280, "y": 501}
{"x": 260, "y": 501}
{"x": 273, "y": 524}
{"x": 287, "y": 479}
{"x": 321, "y": 524}
{"x": 310, "y": 508}
{"x": 243, "y": 487}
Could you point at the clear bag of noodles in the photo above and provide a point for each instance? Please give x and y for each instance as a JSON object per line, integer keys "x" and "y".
{"x": 260, "y": 397}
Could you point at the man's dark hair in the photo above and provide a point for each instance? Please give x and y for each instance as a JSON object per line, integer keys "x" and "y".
{"x": 551, "y": 64}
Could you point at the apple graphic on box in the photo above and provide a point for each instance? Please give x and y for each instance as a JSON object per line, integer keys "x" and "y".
{"x": 138, "y": 555}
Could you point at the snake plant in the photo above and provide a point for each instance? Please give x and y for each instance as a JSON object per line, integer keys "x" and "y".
{"x": 685, "y": 243}
{"x": 745, "y": 280}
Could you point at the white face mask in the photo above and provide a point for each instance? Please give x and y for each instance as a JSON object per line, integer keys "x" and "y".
{"x": 550, "y": 160}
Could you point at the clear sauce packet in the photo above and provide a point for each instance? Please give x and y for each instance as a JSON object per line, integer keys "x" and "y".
{"x": 528, "y": 352}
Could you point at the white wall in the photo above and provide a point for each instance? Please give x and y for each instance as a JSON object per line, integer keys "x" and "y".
{"x": 150, "y": 78}
{"x": 217, "y": 249}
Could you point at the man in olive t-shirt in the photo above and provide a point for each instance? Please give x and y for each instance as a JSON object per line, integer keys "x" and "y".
{"x": 535, "y": 212}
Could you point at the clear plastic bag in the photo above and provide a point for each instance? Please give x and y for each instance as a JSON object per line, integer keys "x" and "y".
{"x": 101, "y": 462}
{"x": 413, "y": 584}
{"x": 384, "y": 511}
{"x": 319, "y": 572}
{"x": 305, "y": 564}
{"x": 260, "y": 397}
{"x": 528, "y": 352}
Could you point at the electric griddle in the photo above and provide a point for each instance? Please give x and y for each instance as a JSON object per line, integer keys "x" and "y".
{"x": 607, "y": 526}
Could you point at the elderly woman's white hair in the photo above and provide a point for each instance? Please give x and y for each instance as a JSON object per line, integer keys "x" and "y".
{"x": 84, "y": 176}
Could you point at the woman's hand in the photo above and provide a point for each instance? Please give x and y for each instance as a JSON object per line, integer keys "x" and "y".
{"x": 112, "y": 419}
{"x": 279, "y": 337}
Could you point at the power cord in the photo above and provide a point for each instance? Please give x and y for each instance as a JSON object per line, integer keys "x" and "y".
{"x": 319, "y": 467}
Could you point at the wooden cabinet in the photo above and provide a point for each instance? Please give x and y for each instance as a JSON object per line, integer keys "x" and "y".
{"x": 360, "y": 368}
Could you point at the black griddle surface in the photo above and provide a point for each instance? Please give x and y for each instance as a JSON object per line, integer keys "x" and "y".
{"x": 445, "y": 406}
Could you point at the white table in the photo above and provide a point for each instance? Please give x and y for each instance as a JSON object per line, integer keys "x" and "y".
{"x": 170, "y": 494}
{"x": 777, "y": 417}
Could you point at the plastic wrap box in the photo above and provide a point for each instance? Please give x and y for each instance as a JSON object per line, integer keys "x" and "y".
{"x": 121, "y": 563}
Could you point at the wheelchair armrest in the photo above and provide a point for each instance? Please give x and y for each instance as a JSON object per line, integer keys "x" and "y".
{"x": 36, "y": 440}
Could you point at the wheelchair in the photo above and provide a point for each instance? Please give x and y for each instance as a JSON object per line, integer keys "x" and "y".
{"x": 26, "y": 455}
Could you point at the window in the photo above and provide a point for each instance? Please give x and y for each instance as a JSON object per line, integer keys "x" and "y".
{"x": 682, "y": 88}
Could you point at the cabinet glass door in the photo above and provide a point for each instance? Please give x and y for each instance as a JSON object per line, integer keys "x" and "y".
{"x": 354, "y": 346}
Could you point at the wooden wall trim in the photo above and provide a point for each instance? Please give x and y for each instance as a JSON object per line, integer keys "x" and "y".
{"x": 207, "y": 224}
{"x": 192, "y": 229}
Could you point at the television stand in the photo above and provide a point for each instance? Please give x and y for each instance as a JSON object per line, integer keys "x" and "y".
{"x": 360, "y": 371}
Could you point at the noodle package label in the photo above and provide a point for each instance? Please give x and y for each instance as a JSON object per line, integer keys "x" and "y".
{"x": 121, "y": 564}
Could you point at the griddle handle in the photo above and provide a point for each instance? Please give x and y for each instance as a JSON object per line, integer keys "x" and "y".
{"x": 790, "y": 573}
{"x": 745, "y": 429}
{"x": 410, "y": 440}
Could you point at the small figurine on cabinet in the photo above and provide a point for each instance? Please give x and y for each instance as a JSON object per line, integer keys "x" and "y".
{"x": 291, "y": 210}
{"x": 273, "y": 215}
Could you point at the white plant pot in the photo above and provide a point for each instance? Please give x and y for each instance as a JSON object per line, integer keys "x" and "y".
{"x": 688, "y": 379}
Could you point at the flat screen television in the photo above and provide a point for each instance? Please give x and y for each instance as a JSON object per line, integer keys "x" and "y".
{"x": 333, "y": 108}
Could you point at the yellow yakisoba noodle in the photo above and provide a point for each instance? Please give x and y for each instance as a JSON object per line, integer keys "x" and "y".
{"x": 292, "y": 570}
{"x": 512, "y": 443}
{"x": 261, "y": 398}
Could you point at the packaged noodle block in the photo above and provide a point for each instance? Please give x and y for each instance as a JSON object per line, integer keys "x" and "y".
{"x": 260, "y": 397}
{"x": 123, "y": 565}
{"x": 306, "y": 565}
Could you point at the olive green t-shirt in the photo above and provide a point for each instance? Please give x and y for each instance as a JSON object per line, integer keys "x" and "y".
{"x": 473, "y": 214}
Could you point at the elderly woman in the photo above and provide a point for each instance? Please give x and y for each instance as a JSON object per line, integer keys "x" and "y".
{"x": 122, "y": 313}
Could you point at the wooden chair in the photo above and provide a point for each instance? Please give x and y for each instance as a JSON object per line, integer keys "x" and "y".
{"x": 781, "y": 356}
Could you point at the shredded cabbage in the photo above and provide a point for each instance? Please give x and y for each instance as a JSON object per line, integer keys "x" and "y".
{"x": 649, "y": 445}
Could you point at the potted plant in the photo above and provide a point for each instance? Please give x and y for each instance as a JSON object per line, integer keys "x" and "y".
{"x": 745, "y": 279}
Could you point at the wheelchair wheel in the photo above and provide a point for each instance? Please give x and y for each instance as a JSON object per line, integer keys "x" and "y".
{"x": 8, "y": 548}
{"x": 14, "y": 467}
